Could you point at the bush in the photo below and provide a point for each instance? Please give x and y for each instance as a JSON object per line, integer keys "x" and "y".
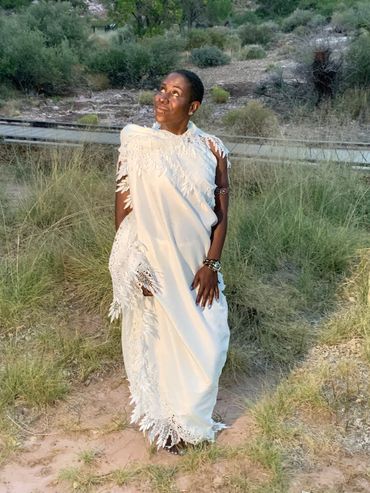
{"x": 198, "y": 38}
{"x": 357, "y": 66}
{"x": 204, "y": 116}
{"x": 88, "y": 119}
{"x": 97, "y": 82}
{"x": 354, "y": 18}
{"x": 219, "y": 95}
{"x": 165, "y": 56}
{"x": 249, "y": 16}
{"x": 251, "y": 34}
{"x": 275, "y": 8}
{"x": 252, "y": 52}
{"x": 136, "y": 64}
{"x": 297, "y": 18}
{"x": 209, "y": 56}
{"x": 28, "y": 64}
{"x": 355, "y": 103}
{"x": 58, "y": 21}
{"x": 252, "y": 119}
{"x": 146, "y": 98}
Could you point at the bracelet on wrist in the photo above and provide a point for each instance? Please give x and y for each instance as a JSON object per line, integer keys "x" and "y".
{"x": 213, "y": 264}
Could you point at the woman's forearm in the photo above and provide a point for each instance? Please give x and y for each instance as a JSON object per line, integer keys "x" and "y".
{"x": 120, "y": 211}
{"x": 218, "y": 239}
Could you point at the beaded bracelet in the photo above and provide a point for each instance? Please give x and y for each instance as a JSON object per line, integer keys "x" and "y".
{"x": 221, "y": 190}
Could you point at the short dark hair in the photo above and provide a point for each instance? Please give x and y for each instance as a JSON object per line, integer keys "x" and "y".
{"x": 196, "y": 85}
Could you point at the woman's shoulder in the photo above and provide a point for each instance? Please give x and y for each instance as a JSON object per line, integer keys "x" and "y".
{"x": 131, "y": 129}
{"x": 215, "y": 143}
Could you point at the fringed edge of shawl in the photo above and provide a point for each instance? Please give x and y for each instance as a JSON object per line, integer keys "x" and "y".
{"x": 159, "y": 430}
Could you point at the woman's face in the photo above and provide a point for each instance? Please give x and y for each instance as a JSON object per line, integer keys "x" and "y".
{"x": 172, "y": 104}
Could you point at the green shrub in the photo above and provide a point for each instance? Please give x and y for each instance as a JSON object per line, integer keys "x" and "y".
{"x": 357, "y": 66}
{"x": 297, "y": 18}
{"x": 97, "y": 82}
{"x": 146, "y": 98}
{"x": 198, "y": 38}
{"x": 88, "y": 119}
{"x": 58, "y": 21}
{"x": 355, "y": 103}
{"x": 252, "y": 52}
{"x": 28, "y": 64}
{"x": 252, "y": 119}
{"x": 123, "y": 65}
{"x": 165, "y": 55}
{"x": 219, "y": 95}
{"x": 249, "y": 16}
{"x": 251, "y": 34}
{"x": 209, "y": 56}
{"x": 353, "y": 18}
{"x": 204, "y": 116}
{"x": 232, "y": 42}
{"x": 272, "y": 8}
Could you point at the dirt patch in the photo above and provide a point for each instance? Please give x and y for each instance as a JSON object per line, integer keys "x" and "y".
{"x": 96, "y": 417}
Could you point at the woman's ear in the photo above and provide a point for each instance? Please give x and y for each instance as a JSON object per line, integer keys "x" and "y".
{"x": 193, "y": 107}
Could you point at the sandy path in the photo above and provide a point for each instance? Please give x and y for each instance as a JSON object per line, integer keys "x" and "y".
{"x": 97, "y": 417}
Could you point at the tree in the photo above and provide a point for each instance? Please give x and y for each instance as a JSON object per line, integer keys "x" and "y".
{"x": 218, "y": 10}
{"x": 149, "y": 16}
{"x": 192, "y": 11}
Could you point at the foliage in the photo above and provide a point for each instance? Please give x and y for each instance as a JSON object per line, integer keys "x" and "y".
{"x": 145, "y": 98}
{"x": 357, "y": 66}
{"x": 219, "y": 95}
{"x": 136, "y": 64}
{"x": 218, "y": 10}
{"x": 198, "y": 38}
{"x": 149, "y": 17}
{"x": 297, "y": 18}
{"x": 277, "y": 7}
{"x": 209, "y": 56}
{"x": 252, "y": 52}
{"x": 58, "y": 21}
{"x": 27, "y": 63}
{"x": 283, "y": 8}
{"x": 252, "y": 119}
{"x": 90, "y": 119}
{"x": 13, "y": 4}
{"x": 256, "y": 34}
{"x": 354, "y": 18}
{"x": 355, "y": 103}
{"x": 249, "y": 16}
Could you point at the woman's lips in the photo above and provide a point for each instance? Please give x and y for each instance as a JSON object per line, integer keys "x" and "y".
{"x": 160, "y": 108}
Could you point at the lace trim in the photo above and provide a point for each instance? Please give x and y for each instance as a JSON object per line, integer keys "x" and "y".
{"x": 170, "y": 162}
{"x": 124, "y": 186}
{"x": 130, "y": 271}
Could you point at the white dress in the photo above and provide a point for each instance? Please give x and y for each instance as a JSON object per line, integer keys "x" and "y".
{"x": 173, "y": 349}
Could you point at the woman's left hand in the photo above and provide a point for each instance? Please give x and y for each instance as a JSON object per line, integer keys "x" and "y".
{"x": 207, "y": 280}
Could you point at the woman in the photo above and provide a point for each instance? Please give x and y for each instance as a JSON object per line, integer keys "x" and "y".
{"x": 171, "y": 222}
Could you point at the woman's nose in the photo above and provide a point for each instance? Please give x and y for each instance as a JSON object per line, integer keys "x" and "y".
{"x": 163, "y": 96}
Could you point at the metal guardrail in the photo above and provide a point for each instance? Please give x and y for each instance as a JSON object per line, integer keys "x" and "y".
{"x": 231, "y": 138}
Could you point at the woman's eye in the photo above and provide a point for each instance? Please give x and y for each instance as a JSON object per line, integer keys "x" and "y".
{"x": 175, "y": 93}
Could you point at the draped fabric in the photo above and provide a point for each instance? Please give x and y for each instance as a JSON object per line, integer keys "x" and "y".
{"x": 173, "y": 349}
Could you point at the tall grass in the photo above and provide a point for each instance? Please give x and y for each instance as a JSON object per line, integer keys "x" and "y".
{"x": 293, "y": 232}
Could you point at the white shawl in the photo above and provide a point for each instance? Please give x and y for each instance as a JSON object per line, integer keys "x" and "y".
{"x": 173, "y": 350}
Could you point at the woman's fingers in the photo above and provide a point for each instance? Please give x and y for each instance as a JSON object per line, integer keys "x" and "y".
{"x": 217, "y": 293}
{"x": 211, "y": 297}
{"x": 195, "y": 282}
{"x": 199, "y": 295}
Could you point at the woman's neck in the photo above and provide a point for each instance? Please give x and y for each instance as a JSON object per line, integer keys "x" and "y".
{"x": 175, "y": 129}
